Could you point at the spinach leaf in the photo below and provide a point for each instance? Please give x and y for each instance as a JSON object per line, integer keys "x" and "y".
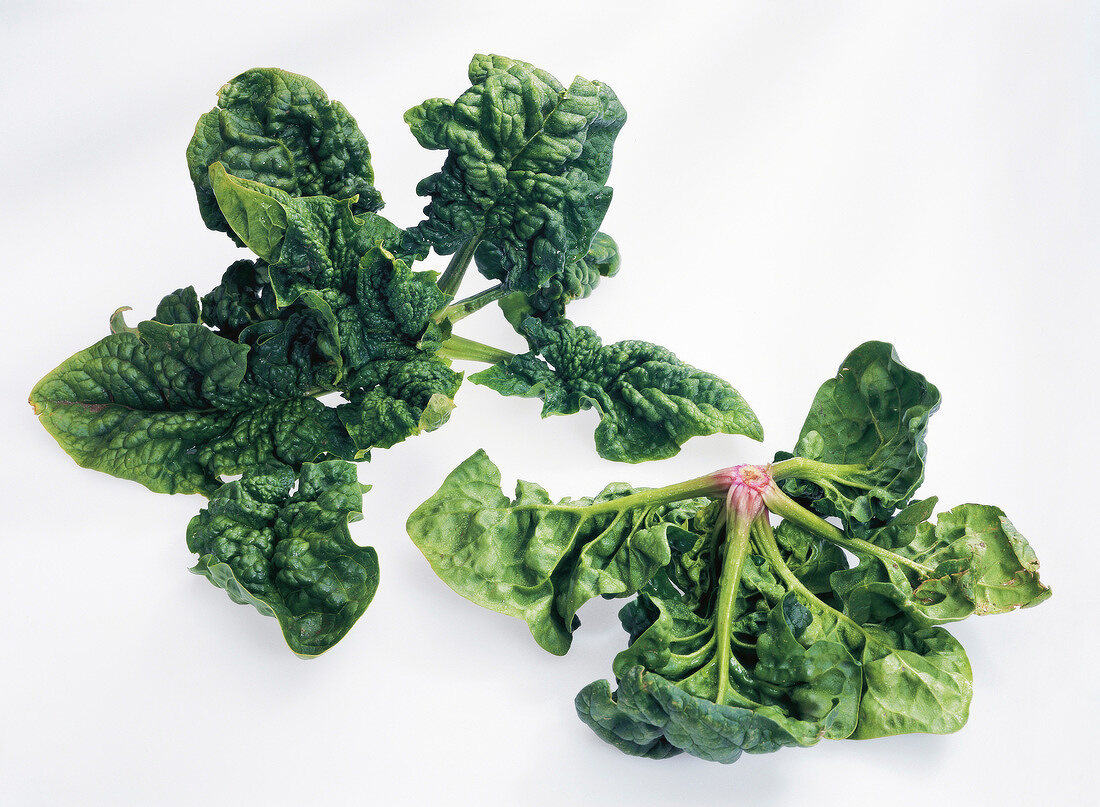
{"x": 975, "y": 562}
{"x": 871, "y": 421}
{"x": 525, "y": 170}
{"x": 579, "y": 280}
{"x": 649, "y": 401}
{"x": 174, "y": 407}
{"x": 280, "y": 129}
{"x": 531, "y": 558}
{"x": 790, "y": 681}
{"x": 290, "y": 554}
{"x": 179, "y": 307}
{"x": 743, "y": 638}
{"x": 244, "y": 297}
{"x": 796, "y": 670}
{"x": 228, "y": 383}
{"x": 378, "y": 312}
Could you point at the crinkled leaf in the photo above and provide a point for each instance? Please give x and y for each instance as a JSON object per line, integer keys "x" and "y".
{"x": 976, "y": 560}
{"x": 392, "y": 310}
{"x": 579, "y": 278}
{"x": 178, "y": 308}
{"x": 874, "y": 417}
{"x": 243, "y": 297}
{"x": 799, "y": 669}
{"x": 290, "y": 554}
{"x": 399, "y": 399}
{"x": 377, "y": 310}
{"x": 649, "y": 401}
{"x": 176, "y": 406}
{"x": 525, "y": 171}
{"x": 792, "y": 678}
{"x": 280, "y": 129}
{"x": 338, "y": 264}
{"x": 531, "y": 558}
{"x": 577, "y": 281}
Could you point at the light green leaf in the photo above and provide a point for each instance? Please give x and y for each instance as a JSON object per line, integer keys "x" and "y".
{"x": 976, "y": 562}
{"x": 531, "y": 558}
{"x": 915, "y": 680}
{"x": 250, "y": 210}
{"x": 872, "y": 418}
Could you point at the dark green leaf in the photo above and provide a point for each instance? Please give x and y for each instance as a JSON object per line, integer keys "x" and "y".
{"x": 399, "y": 399}
{"x": 179, "y": 307}
{"x": 280, "y": 129}
{"x": 619, "y": 723}
{"x": 339, "y": 265}
{"x": 290, "y": 554}
{"x": 577, "y": 281}
{"x": 243, "y": 297}
{"x": 177, "y": 406}
{"x": 525, "y": 171}
{"x": 580, "y": 277}
{"x": 649, "y": 401}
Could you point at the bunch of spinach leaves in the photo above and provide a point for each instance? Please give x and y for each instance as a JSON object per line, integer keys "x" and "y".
{"x": 229, "y": 384}
{"x": 744, "y": 637}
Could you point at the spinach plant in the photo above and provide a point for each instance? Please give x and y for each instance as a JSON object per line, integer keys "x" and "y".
{"x": 229, "y": 384}
{"x": 744, "y": 636}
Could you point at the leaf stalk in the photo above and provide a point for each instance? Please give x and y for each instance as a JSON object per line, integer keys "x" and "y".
{"x": 452, "y": 276}
{"x": 463, "y": 349}
{"x": 463, "y": 308}
{"x": 785, "y": 507}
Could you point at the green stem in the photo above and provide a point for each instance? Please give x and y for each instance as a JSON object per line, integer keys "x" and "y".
{"x": 784, "y": 506}
{"x": 459, "y": 347}
{"x": 655, "y": 497}
{"x": 814, "y": 471}
{"x": 714, "y": 537}
{"x": 451, "y": 278}
{"x": 738, "y": 529}
{"x": 698, "y": 656}
{"x": 463, "y": 308}
{"x": 676, "y": 641}
{"x": 765, "y": 540}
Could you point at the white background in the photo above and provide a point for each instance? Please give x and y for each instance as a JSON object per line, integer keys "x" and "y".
{"x": 794, "y": 179}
